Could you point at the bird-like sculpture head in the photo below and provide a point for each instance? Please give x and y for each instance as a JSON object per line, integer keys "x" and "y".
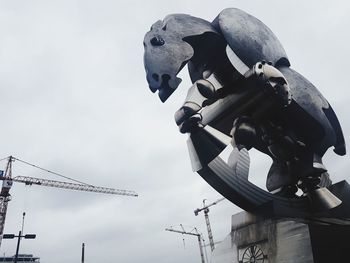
{"x": 167, "y": 51}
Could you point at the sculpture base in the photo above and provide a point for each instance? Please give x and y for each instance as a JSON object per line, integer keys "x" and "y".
{"x": 270, "y": 240}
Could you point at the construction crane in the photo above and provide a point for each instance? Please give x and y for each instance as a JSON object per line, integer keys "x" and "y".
{"x": 197, "y": 234}
{"x": 205, "y": 208}
{"x": 6, "y": 177}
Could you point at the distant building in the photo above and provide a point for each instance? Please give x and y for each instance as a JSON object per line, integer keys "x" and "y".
{"x": 21, "y": 258}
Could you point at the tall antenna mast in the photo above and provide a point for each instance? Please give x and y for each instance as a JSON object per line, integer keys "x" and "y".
{"x": 83, "y": 253}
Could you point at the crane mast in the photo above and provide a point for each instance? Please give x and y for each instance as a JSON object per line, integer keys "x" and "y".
{"x": 205, "y": 209}
{"x": 198, "y": 235}
{"x": 210, "y": 234}
{"x": 7, "y": 181}
{"x": 5, "y": 196}
{"x": 3, "y": 210}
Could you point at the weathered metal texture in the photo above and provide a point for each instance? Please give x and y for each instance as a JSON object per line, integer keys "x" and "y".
{"x": 167, "y": 52}
{"x": 244, "y": 93}
{"x": 282, "y": 240}
{"x": 307, "y": 97}
{"x": 234, "y": 186}
{"x": 250, "y": 39}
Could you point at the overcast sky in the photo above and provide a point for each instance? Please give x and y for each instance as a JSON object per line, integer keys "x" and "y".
{"x": 74, "y": 99}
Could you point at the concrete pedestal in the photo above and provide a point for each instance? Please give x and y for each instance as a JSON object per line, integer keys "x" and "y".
{"x": 268, "y": 240}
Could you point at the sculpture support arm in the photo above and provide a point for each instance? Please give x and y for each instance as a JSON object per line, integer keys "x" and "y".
{"x": 200, "y": 94}
{"x": 203, "y": 93}
{"x": 272, "y": 80}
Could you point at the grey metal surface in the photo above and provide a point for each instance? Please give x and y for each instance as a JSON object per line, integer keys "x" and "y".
{"x": 307, "y": 97}
{"x": 245, "y": 93}
{"x": 250, "y": 39}
{"x": 233, "y": 184}
{"x": 167, "y": 52}
{"x": 239, "y": 162}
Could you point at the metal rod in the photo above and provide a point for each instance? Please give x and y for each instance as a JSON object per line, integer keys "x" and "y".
{"x": 18, "y": 242}
{"x": 8, "y": 172}
{"x": 24, "y": 214}
{"x": 205, "y": 249}
{"x": 192, "y": 234}
{"x": 201, "y": 248}
{"x": 181, "y": 232}
{"x": 83, "y": 253}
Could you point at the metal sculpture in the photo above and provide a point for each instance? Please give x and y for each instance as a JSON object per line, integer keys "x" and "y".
{"x": 245, "y": 93}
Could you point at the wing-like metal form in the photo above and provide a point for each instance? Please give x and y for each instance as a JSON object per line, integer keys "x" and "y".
{"x": 315, "y": 112}
{"x": 249, "y": 39}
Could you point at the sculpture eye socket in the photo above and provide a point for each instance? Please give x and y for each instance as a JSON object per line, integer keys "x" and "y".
{"x": 157, "y": 41}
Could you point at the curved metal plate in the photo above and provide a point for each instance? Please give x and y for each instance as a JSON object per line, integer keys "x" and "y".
{"x": 246, "y": 195}
{"x": 166, "y": 51}
{"x": 306, "y": 95}
{"x": 236, "y": 188}
{"x": 249, "y": 38}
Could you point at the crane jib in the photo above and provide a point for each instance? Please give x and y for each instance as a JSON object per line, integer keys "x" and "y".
{"x": 8, "y": 179}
